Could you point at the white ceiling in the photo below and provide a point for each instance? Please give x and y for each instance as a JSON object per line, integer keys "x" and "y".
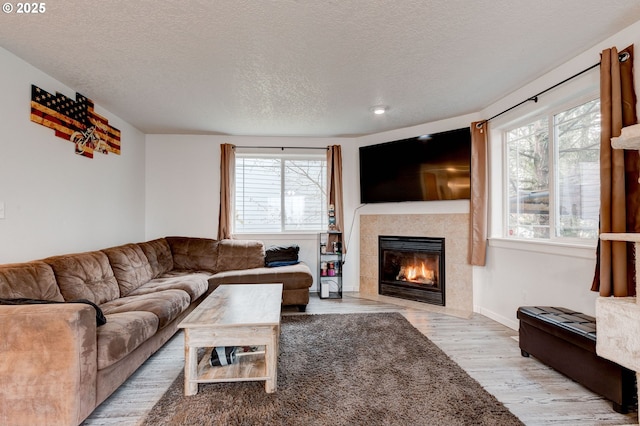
{"x": 303, "y": 67}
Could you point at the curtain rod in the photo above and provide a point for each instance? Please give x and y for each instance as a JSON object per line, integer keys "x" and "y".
{"x": 282, "y": 147}
{"x": 622, "y": 57}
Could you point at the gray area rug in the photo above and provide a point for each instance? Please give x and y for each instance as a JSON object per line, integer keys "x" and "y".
{"x": 351, "y": 369}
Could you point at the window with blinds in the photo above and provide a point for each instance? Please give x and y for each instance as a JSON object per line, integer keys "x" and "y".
{"x": 280, "y": 193}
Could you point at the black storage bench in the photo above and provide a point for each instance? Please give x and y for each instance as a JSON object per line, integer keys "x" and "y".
{"x": 566, "y": 341}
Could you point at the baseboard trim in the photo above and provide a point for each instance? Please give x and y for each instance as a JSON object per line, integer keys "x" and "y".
{"x": 511, "y": 323}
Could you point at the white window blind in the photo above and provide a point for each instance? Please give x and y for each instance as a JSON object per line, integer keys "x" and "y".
{"x": 280, "y": 193}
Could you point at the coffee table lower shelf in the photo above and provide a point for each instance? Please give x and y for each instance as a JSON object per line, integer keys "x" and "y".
{"x": 249, "y": 366}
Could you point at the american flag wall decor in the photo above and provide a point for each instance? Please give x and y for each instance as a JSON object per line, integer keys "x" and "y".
{"x": 74, "y": 121}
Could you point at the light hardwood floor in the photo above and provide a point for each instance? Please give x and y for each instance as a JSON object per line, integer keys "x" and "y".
{"x": 485, "y": 349}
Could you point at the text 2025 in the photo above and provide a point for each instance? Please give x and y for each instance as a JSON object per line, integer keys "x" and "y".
{"x": 31, "y": 7}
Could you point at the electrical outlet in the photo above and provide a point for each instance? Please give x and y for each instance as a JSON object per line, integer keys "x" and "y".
{"x": 1, "y": 210}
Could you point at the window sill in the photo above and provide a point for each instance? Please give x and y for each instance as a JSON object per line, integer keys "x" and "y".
{"x": 583, "y": 251}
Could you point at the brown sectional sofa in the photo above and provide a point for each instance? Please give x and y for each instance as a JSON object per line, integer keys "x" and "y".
{"x": 57, "y": 365}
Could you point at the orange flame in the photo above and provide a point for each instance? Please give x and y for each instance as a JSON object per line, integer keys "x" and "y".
{"x": 420, "y": 273}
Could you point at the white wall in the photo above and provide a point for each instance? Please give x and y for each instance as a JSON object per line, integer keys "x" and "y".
{"x": 55, "y": 201}
{"x": 520, "y": 274}
{"x": 182, "y": 185}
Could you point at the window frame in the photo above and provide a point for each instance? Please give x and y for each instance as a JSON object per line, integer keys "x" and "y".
{"x": 549, "y": 113}
{"x": 260, "y": 154}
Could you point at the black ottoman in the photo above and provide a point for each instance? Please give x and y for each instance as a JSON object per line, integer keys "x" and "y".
{"x": 566, "y": 341}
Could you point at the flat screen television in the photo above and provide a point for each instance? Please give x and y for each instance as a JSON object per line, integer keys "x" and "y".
{"x": 423, "y": 168}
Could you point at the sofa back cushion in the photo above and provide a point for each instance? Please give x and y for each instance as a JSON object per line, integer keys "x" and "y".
{"x": 239, "y": 254}
{"x": 159, "y": 255}
{"x": 194, "y": 254}
{"x": 130, "y": 267}
{"x": 31, "y": 280}
{"x": 85, "y": 276}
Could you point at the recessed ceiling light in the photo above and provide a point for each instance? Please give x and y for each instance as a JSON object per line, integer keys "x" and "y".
{"x": 379, "y": 109}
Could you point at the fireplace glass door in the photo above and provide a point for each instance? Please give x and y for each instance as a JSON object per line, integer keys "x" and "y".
{"x": 412, "y": 268}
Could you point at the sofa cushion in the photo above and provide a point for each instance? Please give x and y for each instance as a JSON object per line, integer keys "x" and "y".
{"x": 123, "y": 333}
{"x": 292, "y": 277}
{"x": 85, "y": 276}
{"x": 130, "y": 267}
{"x": 194, "y": 283}
{"x": 159, "y": 255}
{"x": 193, "y": 254}
{"x": 166, "y": 305}
{"x": 239, "y": 254}
{"x": 31, "y": 280}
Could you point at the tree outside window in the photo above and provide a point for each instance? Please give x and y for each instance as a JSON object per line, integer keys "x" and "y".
{"x": 553, "y": 175}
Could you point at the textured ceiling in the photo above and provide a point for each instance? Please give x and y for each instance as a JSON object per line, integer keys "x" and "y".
{"x": 304, "y": 67}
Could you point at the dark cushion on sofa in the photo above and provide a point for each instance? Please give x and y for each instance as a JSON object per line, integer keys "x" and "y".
{"x": 277, "y": 255}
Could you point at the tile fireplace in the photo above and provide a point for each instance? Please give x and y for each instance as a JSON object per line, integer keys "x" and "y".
{"x": 452, "y": 226}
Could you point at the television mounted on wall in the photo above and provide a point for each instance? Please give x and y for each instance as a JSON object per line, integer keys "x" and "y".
{"x": 423, "y": 168}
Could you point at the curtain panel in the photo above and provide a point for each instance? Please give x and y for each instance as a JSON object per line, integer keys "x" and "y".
{"x": 227, "y": 179}
{"x": 619, "y": 189}
{"x": 334, "y": 184}
{"x": 478, "y": 202}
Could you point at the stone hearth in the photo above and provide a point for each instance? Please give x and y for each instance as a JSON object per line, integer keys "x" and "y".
{"x": 453, "y": 227}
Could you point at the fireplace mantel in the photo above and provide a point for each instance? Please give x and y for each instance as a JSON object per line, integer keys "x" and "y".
{"x": 454, "y": 228}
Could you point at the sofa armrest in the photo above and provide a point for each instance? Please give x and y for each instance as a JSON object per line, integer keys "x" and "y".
{"x": 49, "y": 363}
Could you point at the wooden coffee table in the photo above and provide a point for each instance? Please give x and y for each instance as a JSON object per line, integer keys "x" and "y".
{"x": 234, "y": 315}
